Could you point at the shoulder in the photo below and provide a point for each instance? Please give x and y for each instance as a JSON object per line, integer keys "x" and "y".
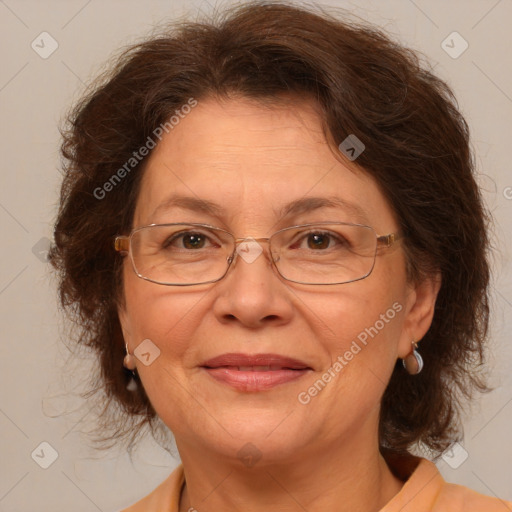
{"x": 165, "y": 497}
{"x": 457, "y": 497}
{"x": 425, "y": 490}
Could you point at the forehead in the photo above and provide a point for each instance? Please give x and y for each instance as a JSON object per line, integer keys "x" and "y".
{"x": 249, "y": 162}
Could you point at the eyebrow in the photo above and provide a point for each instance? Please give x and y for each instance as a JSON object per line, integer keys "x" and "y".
{"x": 308, "y": 204}
{"x": 190, "y": 203}
{"x": 294, "y": 208}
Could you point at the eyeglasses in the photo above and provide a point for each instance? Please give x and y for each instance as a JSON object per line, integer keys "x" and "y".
{"x": 190, "y": 254}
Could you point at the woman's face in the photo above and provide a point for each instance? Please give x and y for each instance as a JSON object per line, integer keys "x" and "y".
{"x": 252, "y": 162}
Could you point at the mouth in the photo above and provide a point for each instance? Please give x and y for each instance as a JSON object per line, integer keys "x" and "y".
{"x": 257, "y": 372}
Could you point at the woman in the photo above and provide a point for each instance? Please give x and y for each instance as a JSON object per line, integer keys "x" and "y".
{"x": 274, "y": 253}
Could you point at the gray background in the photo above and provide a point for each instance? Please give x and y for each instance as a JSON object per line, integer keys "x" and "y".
{"x": 40, "y": 384}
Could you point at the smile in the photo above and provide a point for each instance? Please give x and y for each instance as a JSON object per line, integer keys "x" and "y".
{"x": 256, "y": 372}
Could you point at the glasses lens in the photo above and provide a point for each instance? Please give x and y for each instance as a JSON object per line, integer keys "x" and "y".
{"x": 325, "y": 253}
{"x": 181, "y": 253}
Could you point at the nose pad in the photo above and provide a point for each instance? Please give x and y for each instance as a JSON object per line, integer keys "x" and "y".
{"x": 250, "y": 253}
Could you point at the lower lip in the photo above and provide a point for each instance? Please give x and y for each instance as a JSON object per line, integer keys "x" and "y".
{"x": 254, "y": 381}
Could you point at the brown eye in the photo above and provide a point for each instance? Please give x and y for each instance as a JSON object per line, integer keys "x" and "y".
{"x": 193, "y": 240}
{"x": 186, "y": 240}
{"x": 318, "y": 241}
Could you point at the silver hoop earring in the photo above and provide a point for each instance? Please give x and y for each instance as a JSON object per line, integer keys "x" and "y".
{"x": 413, "y": 363}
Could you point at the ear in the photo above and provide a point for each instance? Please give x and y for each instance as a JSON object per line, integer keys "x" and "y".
{"x": 129, "y": 360}
{"x": 419, "y": 312}
{"x": 124, "y": 321}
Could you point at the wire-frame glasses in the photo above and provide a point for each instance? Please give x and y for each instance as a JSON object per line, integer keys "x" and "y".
{"x": 325, "y": 253}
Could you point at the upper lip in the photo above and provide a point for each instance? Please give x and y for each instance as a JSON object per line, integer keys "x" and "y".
{"x": 275, "y": 360}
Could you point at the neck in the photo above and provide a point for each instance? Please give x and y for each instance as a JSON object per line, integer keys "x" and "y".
{"x": 348, "y": 477}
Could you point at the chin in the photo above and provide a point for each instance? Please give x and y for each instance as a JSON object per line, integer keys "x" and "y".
{"x": 271, "y": 436}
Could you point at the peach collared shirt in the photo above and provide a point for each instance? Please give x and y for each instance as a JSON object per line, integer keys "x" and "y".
{"x": 424, "y": 491}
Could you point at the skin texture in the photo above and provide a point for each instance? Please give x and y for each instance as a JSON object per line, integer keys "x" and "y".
{"x": 252, "y": 160}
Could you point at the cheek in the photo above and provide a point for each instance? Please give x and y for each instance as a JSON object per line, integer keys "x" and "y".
{"x": 174, "y": 321}
{"x": 171, "y": 320}
{"x": 159, "y": 314}
{"x": 365, "y": 321}
{"x": 362, "y": 314}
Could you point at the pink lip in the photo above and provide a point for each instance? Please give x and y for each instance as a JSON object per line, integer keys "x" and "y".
{"x": 256, "y": 372}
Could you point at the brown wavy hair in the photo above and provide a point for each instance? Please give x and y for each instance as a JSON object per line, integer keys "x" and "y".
{"x": 417, "y": 149}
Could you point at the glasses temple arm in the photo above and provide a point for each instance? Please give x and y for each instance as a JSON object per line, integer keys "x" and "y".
{"x": 389, "y": 240}
{"x": 122, "y": 243}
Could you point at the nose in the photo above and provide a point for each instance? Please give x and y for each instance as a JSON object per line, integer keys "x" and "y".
{"x": 252, "y": 293}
